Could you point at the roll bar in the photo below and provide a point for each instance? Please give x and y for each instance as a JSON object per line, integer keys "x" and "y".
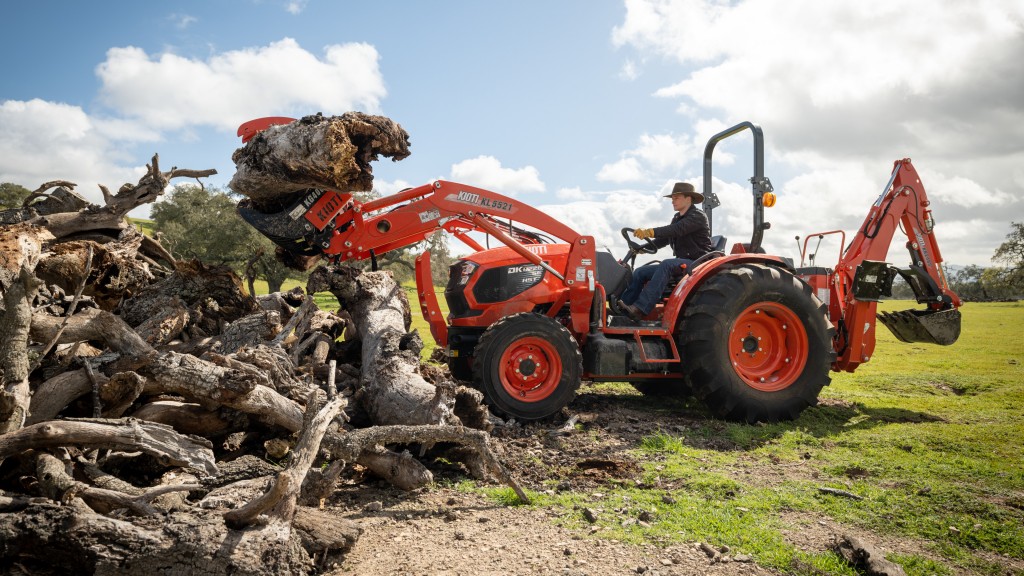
{"x": 760, "y": 184}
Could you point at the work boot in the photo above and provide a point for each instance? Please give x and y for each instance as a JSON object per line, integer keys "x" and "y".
{"x": 632, "y": 311}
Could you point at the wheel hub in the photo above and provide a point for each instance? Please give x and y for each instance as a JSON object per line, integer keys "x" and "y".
{"x": 530, "y": 369}
{"x": 527, "y": 367}
{"x": 750, "y": 344}
{"x": 768, "y": 346}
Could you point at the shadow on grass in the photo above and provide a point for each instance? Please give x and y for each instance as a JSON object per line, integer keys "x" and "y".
{"x": 823, "y": 421}
{"x": 688, "y": 418}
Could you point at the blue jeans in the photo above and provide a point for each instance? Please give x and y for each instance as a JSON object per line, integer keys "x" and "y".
{"x": 650, "y": 280}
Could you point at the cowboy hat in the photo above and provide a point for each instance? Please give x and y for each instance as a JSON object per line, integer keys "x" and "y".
{"x": 686, "y": 189}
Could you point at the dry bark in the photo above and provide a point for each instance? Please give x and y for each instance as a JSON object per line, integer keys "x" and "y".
{"x": 111, "y": 216}
{"x": 187, "y": 418}
{"x": 394, "y": 390}
{"x": 14, "y": 365}
{"x": 157, "y": 440}
{"x": 315, "y": 152}
{"x": 282, "y": 497}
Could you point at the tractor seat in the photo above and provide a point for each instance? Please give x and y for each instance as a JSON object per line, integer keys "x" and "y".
{"x": 613, "y": 276}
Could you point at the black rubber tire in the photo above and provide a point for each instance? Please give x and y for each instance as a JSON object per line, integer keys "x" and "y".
{"x": 704, "y": 338}
{"x": 515, "y": 331}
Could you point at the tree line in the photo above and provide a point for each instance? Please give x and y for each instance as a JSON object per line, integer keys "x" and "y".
{"x": 196, "y": 222}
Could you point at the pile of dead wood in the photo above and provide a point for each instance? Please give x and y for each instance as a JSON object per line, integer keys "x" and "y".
{"x": 154, "y": 418}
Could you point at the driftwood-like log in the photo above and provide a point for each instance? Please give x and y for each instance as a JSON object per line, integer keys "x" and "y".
{"x": 315, "y": 152}
{"x": 63, "y": 199}
{"x": 14, "y": 366}
{"x": 60, "y": 486}
{"x": 166, "y": 325}
{"x": 187, "y": 418}
{"x": 350, "y": 445}
{"x": 212, "y": 384}
{"x": 399, "y": 469}
{"x": 21, "y": 246}
{"x": 157, "y": 440}
{"x": 394, "y": 391}
{"x": 95, "y": 325}
{"x": 55, "y": 394}
{"x": 111, "y": 216}
{"x": 196, "y": 542}
{"x": 284, "y": 493}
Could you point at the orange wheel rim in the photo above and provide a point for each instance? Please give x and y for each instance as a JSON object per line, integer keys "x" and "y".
{"x": 768, "y": 346}
{"x": 530, "y": 369}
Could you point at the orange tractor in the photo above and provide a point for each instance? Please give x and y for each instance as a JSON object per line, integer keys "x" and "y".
{"x": 750, "y": 333}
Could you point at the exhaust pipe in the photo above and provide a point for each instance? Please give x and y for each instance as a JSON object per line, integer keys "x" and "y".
{"x": 940, "y": 327}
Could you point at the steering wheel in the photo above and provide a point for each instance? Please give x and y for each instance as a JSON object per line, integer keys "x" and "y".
{"x": 648, "y": 247}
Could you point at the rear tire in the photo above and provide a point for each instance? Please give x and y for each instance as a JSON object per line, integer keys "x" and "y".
{"x": 528, "y": 366}
{"x": 756, "y": 344}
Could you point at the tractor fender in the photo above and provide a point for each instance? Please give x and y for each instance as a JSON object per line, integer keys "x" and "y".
{"x": 685, "y": 288}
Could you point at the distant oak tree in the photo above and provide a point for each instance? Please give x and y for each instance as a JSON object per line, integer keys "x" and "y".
{"x": 12, "y": 195}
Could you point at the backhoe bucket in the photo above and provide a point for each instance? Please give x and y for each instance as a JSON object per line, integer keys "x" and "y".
{"x": 929, "y": 326}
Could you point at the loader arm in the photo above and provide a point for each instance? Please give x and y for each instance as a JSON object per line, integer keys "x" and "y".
{"x": 339, "y": 226}
{"x": 862, "y": 276}
{"x": 412, "y": 215}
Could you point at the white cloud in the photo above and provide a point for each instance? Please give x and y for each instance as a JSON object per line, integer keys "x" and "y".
{"x": 624, "y": 170}
{"x": 296, "y": 6}
{"x": 183, "y": 21}
{"x": 389, "y": 187}
{"x": 656, "y": 156}
{"x": 606, "y": 213}
{"x": 574, "y": 193}
{"x": 148, "y": 96}
{"x": 170, "y": 92}
{"x": 487, "y": 172}
{"x": 844, "y": 89}
{"x": 42, "y": 141}
{"x": 629, "y": 71}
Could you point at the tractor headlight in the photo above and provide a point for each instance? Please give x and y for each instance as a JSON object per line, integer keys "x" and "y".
{"x": 462, "y": 271}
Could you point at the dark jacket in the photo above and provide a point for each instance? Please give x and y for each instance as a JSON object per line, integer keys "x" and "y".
{"x": 689, "y": 234}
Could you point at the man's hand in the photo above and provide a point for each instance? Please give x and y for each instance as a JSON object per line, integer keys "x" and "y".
{"x": 644, "y": 233}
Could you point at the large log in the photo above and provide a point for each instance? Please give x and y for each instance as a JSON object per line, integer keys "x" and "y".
{"x": 111, "y": 216}
{"x": 394, "y": 391}
{"x": 315, "y": 152}
{"x": 15, "y": 320}
{"x": 47, "y": 538}
{"x": 157, "y": 440}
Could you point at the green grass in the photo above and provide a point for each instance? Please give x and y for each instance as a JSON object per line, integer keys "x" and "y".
{"x": 145, "y": 226}
{"x": 928, "y": 436}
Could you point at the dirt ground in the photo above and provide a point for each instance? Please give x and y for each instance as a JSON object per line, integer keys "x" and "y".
{"x": 445, "y": 531}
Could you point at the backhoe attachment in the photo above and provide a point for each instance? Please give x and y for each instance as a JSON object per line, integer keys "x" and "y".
{"x": 928, "y": 326}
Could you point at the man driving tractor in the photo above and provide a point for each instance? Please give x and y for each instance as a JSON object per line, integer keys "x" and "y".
{"x": 690, "y": 237}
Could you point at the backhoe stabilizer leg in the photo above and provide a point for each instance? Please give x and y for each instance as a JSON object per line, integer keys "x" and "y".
{"x": 928, "y": 326}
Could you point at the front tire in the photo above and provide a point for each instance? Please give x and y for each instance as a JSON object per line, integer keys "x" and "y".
{"x": 756, "y": 344}
{"x": 528, "y": 366}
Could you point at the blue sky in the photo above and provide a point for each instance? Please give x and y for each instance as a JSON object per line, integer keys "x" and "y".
{"x": 586, "y": 109}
